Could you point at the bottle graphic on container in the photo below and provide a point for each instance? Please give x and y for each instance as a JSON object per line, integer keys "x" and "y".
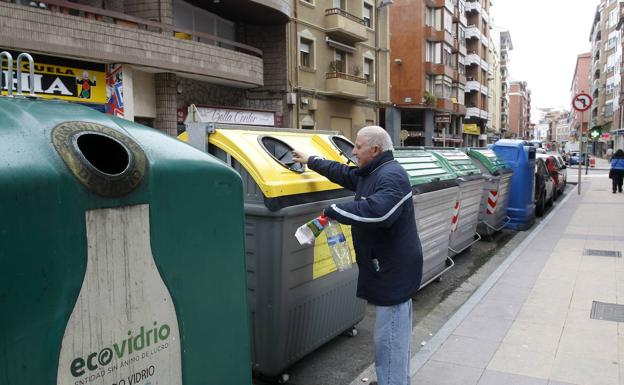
{"x": 338, "y": 246}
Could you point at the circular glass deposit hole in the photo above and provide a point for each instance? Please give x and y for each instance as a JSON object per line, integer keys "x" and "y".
{"x": 105, "y": 154}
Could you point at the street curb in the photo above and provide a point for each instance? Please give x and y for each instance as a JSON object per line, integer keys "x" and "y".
{"x": 421, "y": 357}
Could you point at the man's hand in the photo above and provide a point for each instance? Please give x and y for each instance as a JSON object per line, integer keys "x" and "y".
{"x": 299, "y": 156}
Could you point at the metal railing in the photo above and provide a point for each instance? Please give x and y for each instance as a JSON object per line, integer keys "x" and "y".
{"x": 342, "y": 75}
{"x": 104, "y": 15}
{"x": 343, "y": 13}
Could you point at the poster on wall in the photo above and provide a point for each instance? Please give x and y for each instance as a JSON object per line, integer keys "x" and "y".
{"x": 58, "y": 78}
{"x": 114, "y": 90}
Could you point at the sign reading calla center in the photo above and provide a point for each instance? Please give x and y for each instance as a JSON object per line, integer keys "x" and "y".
{"x": 236, "y": 116}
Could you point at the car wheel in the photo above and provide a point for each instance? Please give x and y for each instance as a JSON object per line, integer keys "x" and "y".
{"x": 539, "y": 205}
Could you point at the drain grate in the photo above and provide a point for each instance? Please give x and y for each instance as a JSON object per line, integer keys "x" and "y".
{"x": 607, "y": 311}
{"x": 602, "y": 253}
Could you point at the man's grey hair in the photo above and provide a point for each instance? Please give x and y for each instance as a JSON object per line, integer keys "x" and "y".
{"x": 376, "y": 136}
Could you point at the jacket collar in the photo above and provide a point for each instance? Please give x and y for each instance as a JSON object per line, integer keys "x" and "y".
{"x": 375, "y": 163}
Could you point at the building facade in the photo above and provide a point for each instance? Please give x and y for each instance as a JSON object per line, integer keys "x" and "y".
{"x": 505, "y": 47}
{"x": 428, "y": 71}
{"x": 606, "y": 56}
{"x": 148, "y": 60}
{"x": 494, "y": 101}
{"x": 340, "y": 70}
{"x": 478, "y": 71}
{"x": 580, "y": 84}
{"x": 519, "y": 110}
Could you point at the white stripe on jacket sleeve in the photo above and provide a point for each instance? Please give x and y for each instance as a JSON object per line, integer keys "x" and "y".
{"x": 371, "y": 220}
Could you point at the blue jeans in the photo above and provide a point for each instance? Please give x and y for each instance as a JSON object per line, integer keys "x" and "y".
{"x": 393, "y": 336}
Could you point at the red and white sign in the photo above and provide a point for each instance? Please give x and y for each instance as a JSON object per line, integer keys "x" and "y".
{"x": 582, "y": 102}
{"x": 491, "y": 203}
{"x": 455, "y": 218}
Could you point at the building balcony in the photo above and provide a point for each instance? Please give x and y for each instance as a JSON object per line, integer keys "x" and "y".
{"x": 435, "y": 3}
{"x": 345, "y": 27}
{"x": 433, "y": 34}
{"x": 473, "y": 32}
{"x": 444, "y": 105}
{"x": 346, "y": 86}
{"x": 439, "y": 69}
{"x": 473, "y": 6}
{"x": 459, "y": 109}
{"x": 476, "y": 112}
{"x": 472, "y": 58}
{"x": 472, "y": 85}
{"x": 116, "y": 37}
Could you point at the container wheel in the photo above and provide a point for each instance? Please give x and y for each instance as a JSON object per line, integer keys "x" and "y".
{"x": 283, "y": 378}
{"x": 351, "y": 332}
{"x": 438, "y": 279}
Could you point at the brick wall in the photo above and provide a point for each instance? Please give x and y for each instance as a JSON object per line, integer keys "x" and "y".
{"x": 30, "y": 29}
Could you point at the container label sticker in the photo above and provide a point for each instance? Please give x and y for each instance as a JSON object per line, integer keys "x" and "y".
{"x": 123, "y": 329}
{"x": 323, "y": 261}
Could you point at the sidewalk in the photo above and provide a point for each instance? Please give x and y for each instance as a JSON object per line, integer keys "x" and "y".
{"x": 529, "y": 323}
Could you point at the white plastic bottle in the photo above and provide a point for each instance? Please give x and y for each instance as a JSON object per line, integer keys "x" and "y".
{"x": 338, "y": 246}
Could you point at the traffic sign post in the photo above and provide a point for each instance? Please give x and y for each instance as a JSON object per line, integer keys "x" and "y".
{"x": 581, "y": 103}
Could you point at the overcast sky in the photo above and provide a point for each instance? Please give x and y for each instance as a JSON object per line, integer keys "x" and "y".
{"x": 547, "y": 37}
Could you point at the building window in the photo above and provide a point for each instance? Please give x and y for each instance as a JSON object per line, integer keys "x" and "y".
{"x": 434, "y": 18}
{"x": 340, "y": 4}
{"x": 341, "y": 61}
{"x": 368, "y": 69}
{"x": 367, "y": 15}
{"x": 613, "y": 18}
{"x": 305, "y": 53}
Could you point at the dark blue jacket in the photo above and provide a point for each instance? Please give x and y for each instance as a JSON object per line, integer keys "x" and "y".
{"x": 617, "y": 163}
{"x": 383, "y": 227}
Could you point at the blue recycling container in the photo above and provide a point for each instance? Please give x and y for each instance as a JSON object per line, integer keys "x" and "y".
{"x": 521, "y": 159}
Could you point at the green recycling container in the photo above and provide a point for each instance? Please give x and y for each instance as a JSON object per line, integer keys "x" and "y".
{"x": 435, "y": 192}
{"x": 495, "y": 198}
{"x": 122, "y": 255}
{"x": 466, "y": 211}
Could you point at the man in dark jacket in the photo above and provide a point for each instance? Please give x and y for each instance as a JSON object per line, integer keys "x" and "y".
{"x": 386, "y": 242}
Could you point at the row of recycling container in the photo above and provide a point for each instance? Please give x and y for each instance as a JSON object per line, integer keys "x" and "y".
{"x": 127, "y": 254}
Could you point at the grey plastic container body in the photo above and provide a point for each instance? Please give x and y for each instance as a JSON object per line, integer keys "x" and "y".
{"x": 291, "y": 313}
{"x": 494, "y": 218}
{"x": 433, "y": 211}
{"x": 463, "y": 232}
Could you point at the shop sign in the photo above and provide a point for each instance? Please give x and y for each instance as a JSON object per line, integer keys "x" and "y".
{"x": 61, "y": 79}
{"x": 442, "y": 117}
{"x": 235, "y": 116}
{"x": 114, "y": 90}
{"x": 181, "y": 115}
{"x": 471, "y": 129}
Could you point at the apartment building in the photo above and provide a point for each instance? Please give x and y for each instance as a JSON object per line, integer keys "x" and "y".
{"x": 519, "y": 110}
{"x": 148, "y": 60}
{"x": 505, "y": 46}
{"x": 428, "y": 71}
{"x": 580, "y": 83}
{"x": 340, "y": 71}
{"x": 478, "y": 71}
{"x": 606, "y": 57}
{"x": 615, "y": 138}
{"x": 494, "y": 101}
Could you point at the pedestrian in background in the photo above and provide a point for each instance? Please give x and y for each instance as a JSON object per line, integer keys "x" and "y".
{"x": 387, "y": 246}
{"x": 609, "y": 154}
{"x": 617, "y": 170}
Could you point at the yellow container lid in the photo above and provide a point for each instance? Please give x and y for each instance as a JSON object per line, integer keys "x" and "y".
{"x": 253, "y": 149}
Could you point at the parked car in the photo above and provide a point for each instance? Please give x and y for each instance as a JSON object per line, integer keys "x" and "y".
{"x": 544, "y": 187}
{"x": 563, "y": 175}
{"x": 556, "y": 173}
{"x": 576, "y": 159}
